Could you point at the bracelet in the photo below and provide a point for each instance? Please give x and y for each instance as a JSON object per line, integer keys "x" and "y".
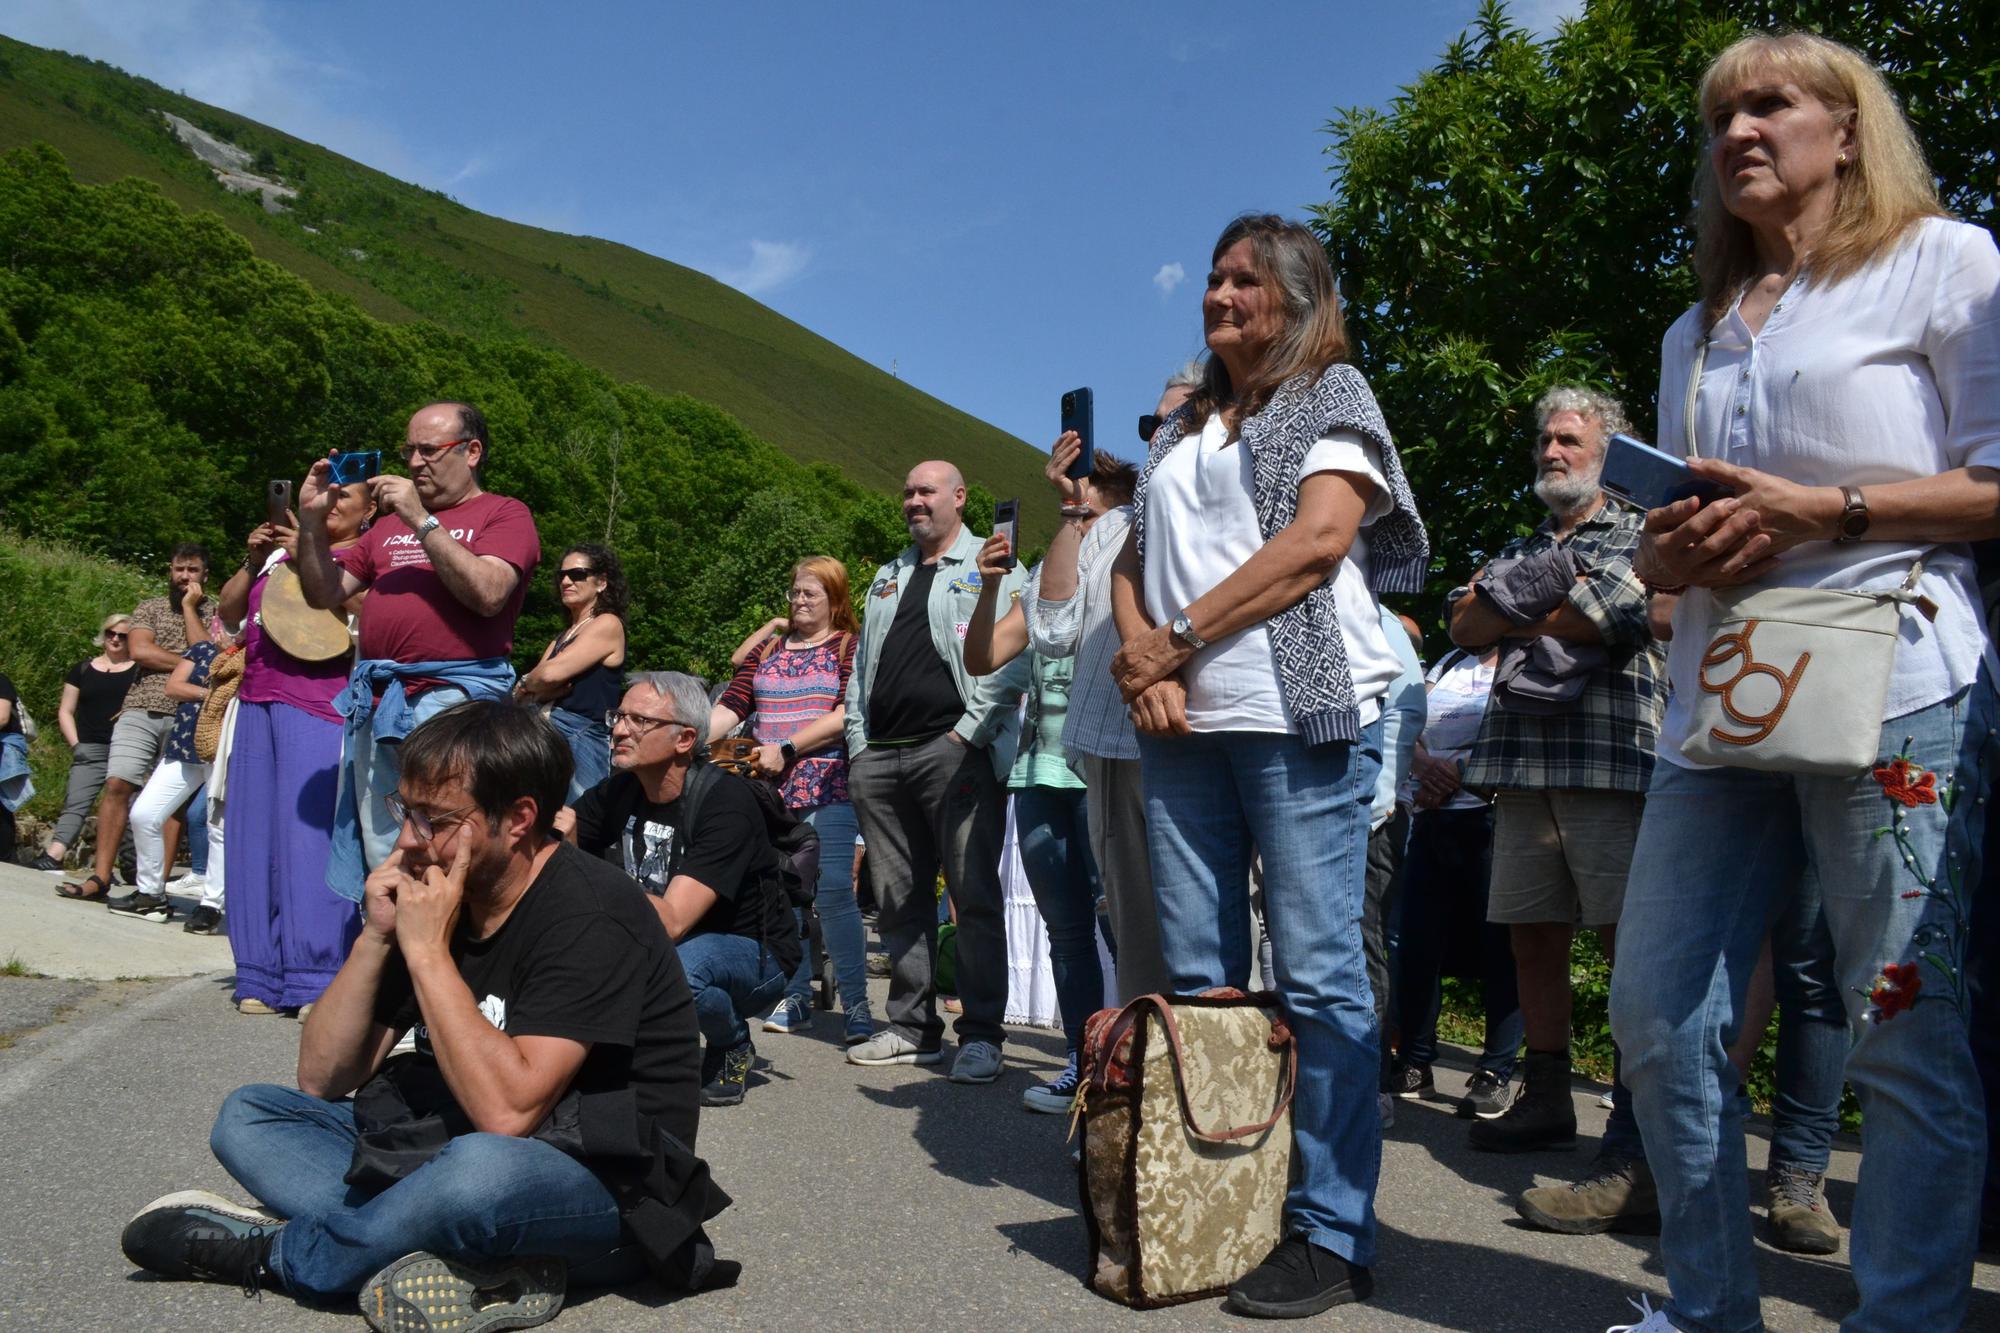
{"x": 1661, "y": 589}
{"x": 1077, "y": 511}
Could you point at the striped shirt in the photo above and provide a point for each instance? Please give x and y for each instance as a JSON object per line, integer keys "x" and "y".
{"x": 1098, "y": 723}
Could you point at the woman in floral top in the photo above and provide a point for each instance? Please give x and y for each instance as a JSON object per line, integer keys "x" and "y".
{"x": 793, "y": 685}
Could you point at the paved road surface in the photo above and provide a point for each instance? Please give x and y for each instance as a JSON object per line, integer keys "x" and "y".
{"x": 866, "y": 1198}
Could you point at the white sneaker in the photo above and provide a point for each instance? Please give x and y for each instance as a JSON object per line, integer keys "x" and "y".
{"x": 1604, "y": 1100}
{"x": 978, "y": 1062}
{"x": 889, "y": 1047}
{"x": 1655, "y": 1321}
{"x": 189, "y": 885}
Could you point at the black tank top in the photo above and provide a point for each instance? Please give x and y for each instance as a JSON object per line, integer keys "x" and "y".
{"x": 594, "y": 693}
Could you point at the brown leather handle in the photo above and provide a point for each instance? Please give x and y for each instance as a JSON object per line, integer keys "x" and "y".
{"x": 1281, "y": 1035}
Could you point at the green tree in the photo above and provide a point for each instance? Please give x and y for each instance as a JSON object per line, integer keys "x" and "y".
{"x": 1517, "y": 218}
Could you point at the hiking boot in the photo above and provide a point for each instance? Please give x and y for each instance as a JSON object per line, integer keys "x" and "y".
{"x": 791, "y": 1015}
{"x": 977, "y": 1062}
{"x": 143, "y": 906}
{"x": 423, "y": 1293}
{"x": 1411, "y": 1082}
{"x": 1486, "y": 1097}
{"x": 890, "y": 1047}
{"x": 860, "y": 1026}
{"x": 1617, "y": 1195}
{"x": 198, "y": 1235}
{"x": 1542, "y": 1116}
{"x": 731, "y": 1077}
{"x": 1298, "y": 1279}
{"x": 1796, "y": 1209}
{"x": 204, "y": 920}
{"x": 1055, "y": 1096}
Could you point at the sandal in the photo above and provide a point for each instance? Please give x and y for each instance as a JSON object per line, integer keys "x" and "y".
{"x": 81, "y": 892}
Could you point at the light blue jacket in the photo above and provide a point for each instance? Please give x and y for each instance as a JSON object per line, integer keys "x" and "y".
{"x": 991, "y": 719}
{"x": 1404, "y": 712}
{"x": 391, "y": 719}
{"x": 17, "y": 786}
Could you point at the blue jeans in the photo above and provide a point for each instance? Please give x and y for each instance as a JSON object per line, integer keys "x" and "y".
{"x": 1718, "y": 850}
{"x": 1446, "y": 876}
{"x": 1209, "y": 797}
{"x": 1055, "y": 853}
{"x": 197, "y": 832}
{"x": 733, "y": 977}
{"x": 839, "y": 916}
{"x": 589, "y": 748}
{"x": 1812, "y": 1033}
{"x": 485, "y": 1196}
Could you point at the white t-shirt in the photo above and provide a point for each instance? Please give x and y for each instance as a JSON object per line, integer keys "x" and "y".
{"x": 1460, "y": 686}
{"x": 1201, "y": 526}
{"x": 1888, "y": 375}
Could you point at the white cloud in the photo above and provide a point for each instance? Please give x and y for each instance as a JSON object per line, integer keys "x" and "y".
{"x": 1169, "y": 277}
{"x": 772, "y": 265}
{"x": 1541, "y": 16}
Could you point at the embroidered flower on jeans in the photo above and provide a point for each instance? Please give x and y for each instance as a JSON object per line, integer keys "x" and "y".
{"x": 1894, "y": 990}
{"x": 1896, "y": 778}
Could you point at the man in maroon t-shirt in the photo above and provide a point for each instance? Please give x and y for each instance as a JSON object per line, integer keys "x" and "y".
{"x": 446, "y": 567}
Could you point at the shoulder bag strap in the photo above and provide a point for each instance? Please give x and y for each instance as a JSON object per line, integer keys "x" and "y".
{"x": 1281, "y": 1037}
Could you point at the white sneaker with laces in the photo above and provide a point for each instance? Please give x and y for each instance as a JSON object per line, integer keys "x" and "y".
{"x": 1655, "y": 1321}
{"x": 189, "y": 885}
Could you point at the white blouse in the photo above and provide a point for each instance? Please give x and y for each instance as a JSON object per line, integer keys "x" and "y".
{"x": 1202, "y": 525}
{"x": 1888, "y": 375}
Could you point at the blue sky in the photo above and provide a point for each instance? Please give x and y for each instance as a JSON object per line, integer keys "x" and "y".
{"x": 1001, "y": 202}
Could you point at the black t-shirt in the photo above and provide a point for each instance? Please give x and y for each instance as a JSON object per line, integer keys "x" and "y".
{"x": 730, "y": 852}
{"x": 914, "y": 697}
{"x": 14, "y": 714}
{"x": 585, "y": 957}
{"x": 100, "y": 694}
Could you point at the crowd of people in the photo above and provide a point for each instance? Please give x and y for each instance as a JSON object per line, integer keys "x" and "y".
{"x": 530, "y": 926}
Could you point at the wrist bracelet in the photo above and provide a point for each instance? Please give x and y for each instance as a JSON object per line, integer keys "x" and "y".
{"x": 1077, "y": 511}
{"x": 1661, "y": 589}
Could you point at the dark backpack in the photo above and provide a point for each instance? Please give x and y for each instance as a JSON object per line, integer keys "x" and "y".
{"x": 796, "y": 841}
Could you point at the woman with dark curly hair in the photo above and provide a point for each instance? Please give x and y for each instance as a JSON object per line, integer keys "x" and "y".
{"x": 579, "y": 672}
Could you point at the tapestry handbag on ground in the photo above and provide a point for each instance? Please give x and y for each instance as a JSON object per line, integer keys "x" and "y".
{"x": 225, "y": 677}
{"x": 1187, "y": 1142}
{"x": 1793, "y": 680}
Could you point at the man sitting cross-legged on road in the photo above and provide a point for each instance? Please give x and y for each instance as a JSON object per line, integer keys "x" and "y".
{"x": 547, "y": 1097}
{"x": 695, "y": 839}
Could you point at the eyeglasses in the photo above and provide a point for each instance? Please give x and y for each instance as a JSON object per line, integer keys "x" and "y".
{"x": 425, "y": 823}
{"x": 576, "y": 575}
{"x": 430, "y": 453}
{"x": 639, "y": 724}
{"x": 1148, "y": 426}
{"x": 804, "y": 595}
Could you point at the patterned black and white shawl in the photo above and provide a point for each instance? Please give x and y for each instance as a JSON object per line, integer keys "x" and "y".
{"x": 1312, "y": 657}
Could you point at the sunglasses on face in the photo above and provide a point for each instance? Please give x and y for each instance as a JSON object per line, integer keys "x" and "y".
{"x": 577, "y": 575}
{"x": 430, "y": 453}
{"x": 117, "y": 634}
{"x": 1148, "y": 424}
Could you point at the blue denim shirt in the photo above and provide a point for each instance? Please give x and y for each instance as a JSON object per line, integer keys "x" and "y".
{"x": 392, "y": 718}
{"x": 17, "y": 788}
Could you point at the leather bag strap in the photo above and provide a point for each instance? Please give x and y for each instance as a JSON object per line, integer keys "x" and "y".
{"x": 1281, "y": 1036}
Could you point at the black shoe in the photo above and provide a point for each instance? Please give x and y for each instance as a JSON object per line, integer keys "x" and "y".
{"x": 1297, "y": 1279}
{"x": 1542, "y": 1118}
{"x": 46, "y": 862}
{"x": 145, "y": 906}
{"x": 427, "y": 1293}
{"x": 726, "y": 1088}
{"x": 195, "y": 1234}
{"x": 1411, "y": 1082}
{"x": 204, "y": 920}
{"x": 1486, "y": 1098}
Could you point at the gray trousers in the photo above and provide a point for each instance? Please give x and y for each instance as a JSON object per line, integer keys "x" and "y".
{"x": 1116, "y": 805}
{"x": 922, "y": 808}
{"x": 87, "y": 762}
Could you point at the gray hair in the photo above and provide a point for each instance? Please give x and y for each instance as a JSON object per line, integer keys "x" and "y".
{"x": 1187, "y": 376}
{"x": 1586, "y": 403}
{"x": 685, "y": 696}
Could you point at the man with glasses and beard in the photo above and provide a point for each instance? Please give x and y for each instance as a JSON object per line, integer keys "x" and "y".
{"x": 446, "y": 566}
{"x": 1566, "y": 746}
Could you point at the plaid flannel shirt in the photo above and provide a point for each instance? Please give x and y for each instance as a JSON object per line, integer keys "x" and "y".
{"x": 1606, "y": 742}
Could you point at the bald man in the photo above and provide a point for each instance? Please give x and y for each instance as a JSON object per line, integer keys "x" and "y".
{"x": 929, "y": 748}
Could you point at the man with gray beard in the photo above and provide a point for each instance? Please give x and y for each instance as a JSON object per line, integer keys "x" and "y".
{"x": 1568, "y": 782}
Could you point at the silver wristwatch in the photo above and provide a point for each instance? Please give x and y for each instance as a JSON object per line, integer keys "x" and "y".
{"x": 1183, "y": 629}
{"x": 427, "y": 527}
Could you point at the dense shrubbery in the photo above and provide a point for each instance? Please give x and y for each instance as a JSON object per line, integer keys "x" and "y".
{"x": 154, "y": 373}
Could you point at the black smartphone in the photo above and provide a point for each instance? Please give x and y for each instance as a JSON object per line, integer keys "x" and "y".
{"x": 1641, "y": 475}
{"x": 1007, "y": 519}
{"x": 278, "y": 503}
{"x": 351, "y": 469}
{"x": 1077, "y": 411}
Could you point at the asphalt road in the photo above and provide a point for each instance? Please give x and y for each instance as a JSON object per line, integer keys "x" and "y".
{"x": 870, "y": 1198}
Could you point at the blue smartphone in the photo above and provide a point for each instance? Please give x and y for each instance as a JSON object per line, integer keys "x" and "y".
{"x": 1641, "y": 475}
{"x": 352, "y": 469}
{"x": 1077, "y": 411}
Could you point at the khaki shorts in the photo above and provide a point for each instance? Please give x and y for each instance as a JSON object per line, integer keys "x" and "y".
{"x": 1561, "y": 857}
{"x": 137, "y": 739}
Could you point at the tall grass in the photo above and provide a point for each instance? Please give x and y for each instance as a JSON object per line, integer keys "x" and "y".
{"x": 53, "y": 599}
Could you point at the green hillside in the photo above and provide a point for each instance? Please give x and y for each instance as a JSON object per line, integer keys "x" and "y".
{"x": 403, "y": 253}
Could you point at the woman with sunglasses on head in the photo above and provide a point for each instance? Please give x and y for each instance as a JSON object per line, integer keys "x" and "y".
{"x": 92, "y": 694}
{"x": 579, "y": 675}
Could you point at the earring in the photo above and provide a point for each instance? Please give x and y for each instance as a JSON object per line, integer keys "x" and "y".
{"x": 1841, "y": 160}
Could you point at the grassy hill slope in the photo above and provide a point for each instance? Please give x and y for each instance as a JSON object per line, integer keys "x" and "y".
{"x": 403, "y": 253}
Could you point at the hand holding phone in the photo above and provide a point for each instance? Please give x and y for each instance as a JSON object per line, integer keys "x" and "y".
{"x": 278, "y": 503}
{"x": 1007, "y": 523}
{"x": 1641, "y": 475}
{"x": 351, "y": 469}
{"x": 1077, "y": 413}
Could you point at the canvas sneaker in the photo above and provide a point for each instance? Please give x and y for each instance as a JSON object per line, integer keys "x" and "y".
{"x": 428, "y": 1293}
{"x": 1055, "y": 1096}
{"x": 977, "y": 1062}
{"x": 202, "y": 1236}
{"x": 890, "y": 1047}
{"x": 791, "y": 1015}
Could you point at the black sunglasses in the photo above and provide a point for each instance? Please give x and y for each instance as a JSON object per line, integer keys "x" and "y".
{"x": 576, "y": 575}
{"x": 1147, "y": 425}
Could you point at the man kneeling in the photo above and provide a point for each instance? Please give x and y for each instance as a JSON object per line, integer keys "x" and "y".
{"x": 543, "y": 1005}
